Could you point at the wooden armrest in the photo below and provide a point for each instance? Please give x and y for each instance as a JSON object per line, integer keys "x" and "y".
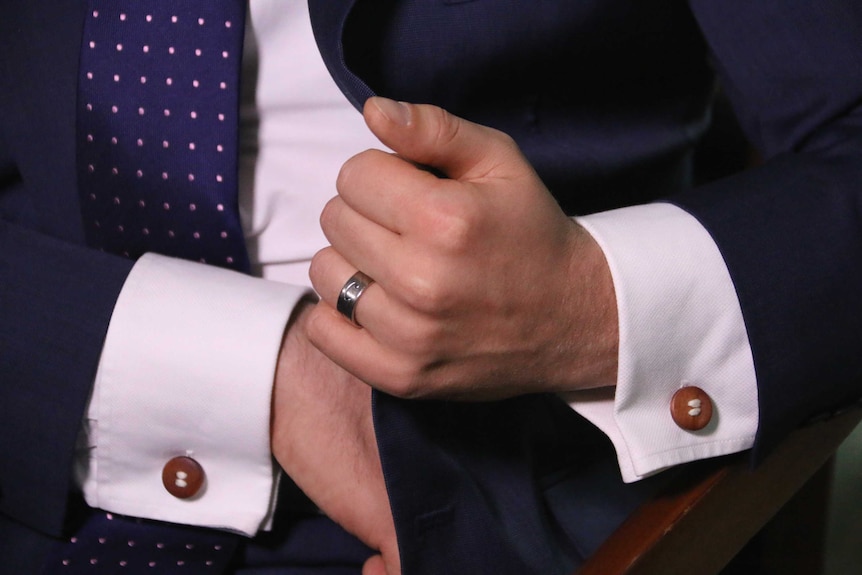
{"x": 700, "y": 522}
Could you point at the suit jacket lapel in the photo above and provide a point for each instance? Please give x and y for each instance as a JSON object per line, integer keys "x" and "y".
{"x": 328, "y": 20}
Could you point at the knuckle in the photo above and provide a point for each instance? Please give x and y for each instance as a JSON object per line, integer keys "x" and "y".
{"x": 407, "y": 383}
{"x": 426, "y": 293}
{"x": 506, "y": 140}
{"x": 356, "y": 167}
{"x": 342, "y": 180}
{"x": 422, "y": 342}
{"x": 423, "y": 382}
{"x": 351, "y": 170}
{"x": 420, "y": 372}
{"x": 413, "y": 363}
{"x": 318, "y": 267}
{"x": 447, "y": 126}
{"x": 453, "y": 223}
{"x": 454, "y": 233}
{"x": 328, "y": 214}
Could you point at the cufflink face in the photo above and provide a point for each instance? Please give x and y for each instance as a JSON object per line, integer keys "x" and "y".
{"x": 691, "y": 408}
{"x": 183, "y": 477}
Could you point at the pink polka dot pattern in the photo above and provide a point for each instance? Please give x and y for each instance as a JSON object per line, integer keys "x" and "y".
{"x": 154, "y": 75}
{"x": 111, "y": 543}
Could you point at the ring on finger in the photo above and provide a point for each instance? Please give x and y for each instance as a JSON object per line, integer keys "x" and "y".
{"x": 350, "y": 294}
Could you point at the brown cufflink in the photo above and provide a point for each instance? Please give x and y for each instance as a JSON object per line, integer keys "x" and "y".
{"x": 691, "y": 408}
{"x": 183, "y": 477}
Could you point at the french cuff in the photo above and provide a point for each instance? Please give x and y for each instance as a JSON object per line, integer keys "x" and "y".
{"x": 180, "y": 415}
{"x": 680, "y": 328}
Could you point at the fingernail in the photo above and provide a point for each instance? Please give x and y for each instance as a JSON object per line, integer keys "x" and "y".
{"x": 396, "y": 112}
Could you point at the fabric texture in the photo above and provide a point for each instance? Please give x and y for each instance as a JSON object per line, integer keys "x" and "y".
{"x": 157, "y": 129}
{"x": 623, "y": 134}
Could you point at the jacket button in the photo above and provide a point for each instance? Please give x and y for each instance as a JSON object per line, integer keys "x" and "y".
{"x": 691, "y": 408}
{"x": 183, "y": 477}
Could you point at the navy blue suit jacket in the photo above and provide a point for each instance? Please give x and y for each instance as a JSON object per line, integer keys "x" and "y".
{"x": 606, "y": 98}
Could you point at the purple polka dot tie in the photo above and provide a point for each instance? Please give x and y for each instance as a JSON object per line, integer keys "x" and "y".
{"x": 157, "y": 171}
{"x": 157, "y": 128}
{"x": 108, "y": 543}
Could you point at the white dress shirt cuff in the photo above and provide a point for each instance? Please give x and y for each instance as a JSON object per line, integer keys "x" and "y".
{"x": 680, "y": 324}
{"x": 187, "y": 369}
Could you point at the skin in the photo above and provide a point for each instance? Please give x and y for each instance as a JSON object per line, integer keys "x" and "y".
{"x": 323, "y": 437}
{"x": 483, "y": 288}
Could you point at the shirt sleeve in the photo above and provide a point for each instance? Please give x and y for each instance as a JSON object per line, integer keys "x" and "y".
{"x": 680, "y": 325}
{"x": 187, "y": 369}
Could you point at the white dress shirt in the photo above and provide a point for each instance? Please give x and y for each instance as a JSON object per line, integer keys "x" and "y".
{"x": 189, "y": 358}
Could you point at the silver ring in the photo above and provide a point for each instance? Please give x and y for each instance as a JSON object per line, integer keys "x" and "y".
{"x": 350, "y": 294}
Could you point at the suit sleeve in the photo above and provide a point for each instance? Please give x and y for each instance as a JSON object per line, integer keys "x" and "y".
{"x": 790, "y": 231}
{"x": 56, "y": 300}
{"x": 56, "y": 296}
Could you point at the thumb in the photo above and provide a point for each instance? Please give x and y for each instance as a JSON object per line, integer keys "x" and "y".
{"x": 374, "y": 565}
{"x": 433, "y": 137}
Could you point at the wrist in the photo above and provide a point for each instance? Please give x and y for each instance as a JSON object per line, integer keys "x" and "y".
{"x": 293, "y": 355}
{"x": 590, "y": 307}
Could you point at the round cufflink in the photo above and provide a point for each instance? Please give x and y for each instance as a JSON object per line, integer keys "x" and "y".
{"x": 183, "y": 477}
{"x": 691, "y": 408}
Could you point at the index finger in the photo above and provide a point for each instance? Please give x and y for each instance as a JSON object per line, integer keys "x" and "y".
{"x": 385, "y": 188}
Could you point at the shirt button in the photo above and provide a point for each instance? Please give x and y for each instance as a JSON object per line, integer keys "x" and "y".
{"x": 183, "y": 477}
{"x": 691, "y": 408}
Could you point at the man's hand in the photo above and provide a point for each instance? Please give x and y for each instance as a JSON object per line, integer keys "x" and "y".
{"x": 323, "y": 437}
{"x": 483, "y": 287}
